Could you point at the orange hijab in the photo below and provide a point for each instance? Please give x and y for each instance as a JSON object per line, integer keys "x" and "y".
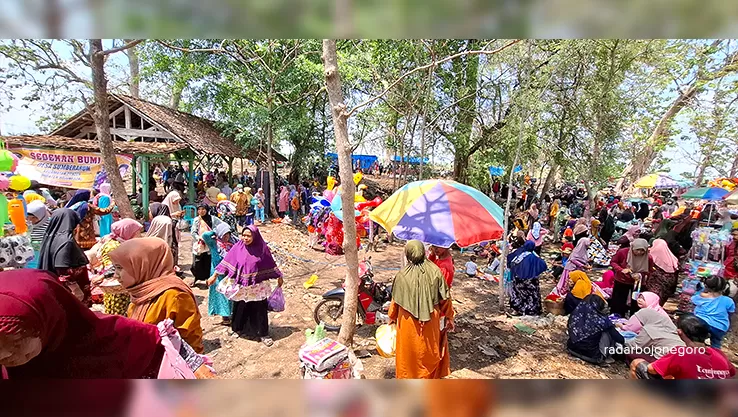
{"x": 150, "y": 261}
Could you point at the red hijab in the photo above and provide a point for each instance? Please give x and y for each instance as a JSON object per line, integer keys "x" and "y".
{"x": 77, "y": 343}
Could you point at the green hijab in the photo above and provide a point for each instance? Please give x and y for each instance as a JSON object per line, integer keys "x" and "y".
{"x": 420, "y": 286}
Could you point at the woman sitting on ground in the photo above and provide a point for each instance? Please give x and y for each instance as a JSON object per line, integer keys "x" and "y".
{"x": 657, "y": 335}
{"x": 145, "y": 267}
{"x": 646, "y": 301}
{"x": 578, "y": 260}
{"x": 581, "y": 288}
{"x": 591, "y": 333}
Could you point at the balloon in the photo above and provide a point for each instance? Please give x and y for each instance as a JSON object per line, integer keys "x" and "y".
{"x": 19, "y": 183}
{"x": 331, "y": 182}
{"x": 222, "y": 197}
{"x": 3, "y": 213}
{"x": 329, "y": 194}
{"x": 357, "y": 177}
{"x": 15, "y": 162}
{"x": 17, "y": 215}
{"x": 372, "y": 203}
{"x": 4, "y": 183}
{"x": 7, "y": 160}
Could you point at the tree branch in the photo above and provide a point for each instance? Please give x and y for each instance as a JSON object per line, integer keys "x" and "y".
{"x": 128, "y": 45}
{"x": 427, "y": 66}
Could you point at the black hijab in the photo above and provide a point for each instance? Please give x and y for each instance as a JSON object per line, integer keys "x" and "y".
{"x": 642, "y": 212}
{"x": 206, "y": 218}
{"x": 58, "y": 249}
{"x": 159, "y": 209}
{"x": 627, "y": 216}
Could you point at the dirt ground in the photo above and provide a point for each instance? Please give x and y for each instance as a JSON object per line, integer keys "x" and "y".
{"x": 485, "y": 341}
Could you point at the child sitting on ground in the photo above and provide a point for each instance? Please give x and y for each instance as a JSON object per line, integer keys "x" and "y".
{"x": 471, "y": 267}
{"x": 557, "y": 268}
{"x": 714, "y": 308}
{"x": 493, "y": 266}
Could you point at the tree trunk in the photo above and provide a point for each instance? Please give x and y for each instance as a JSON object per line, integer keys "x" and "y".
{"x": 343, "y": 148}
{"x": 52, "y": 18}
{"x": 176, "y": 95}
{"x": 135, "y": 81}
{"x": 734, "y": 167}
{"x": 645, "y": 157}
{"x": 101, "y": 115}
{"x": 461, "y": 165}
{"x": 704, "y": 164}
{"x": 270, "y": 167}
{"x": 550, "y": 177}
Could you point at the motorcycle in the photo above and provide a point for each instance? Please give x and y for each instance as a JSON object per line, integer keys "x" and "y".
{"x": 374, "y": 301}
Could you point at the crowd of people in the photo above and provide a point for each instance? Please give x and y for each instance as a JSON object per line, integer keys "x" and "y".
{"x": 85, "y": 256}
{"x": 151, "y": 326}
{"x": 641, "y": 248}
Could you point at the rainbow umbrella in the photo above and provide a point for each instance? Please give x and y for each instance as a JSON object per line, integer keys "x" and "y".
{"x": 731, "y": 198}
{"x": 706, "y": 193}
{"x": 656, "y": 181}
{"x": 440, "y": 213}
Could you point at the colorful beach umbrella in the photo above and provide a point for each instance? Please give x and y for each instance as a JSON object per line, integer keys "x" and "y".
{"x": 440, "y": 213}
{"x": 706, "y": 193}
{"x": 731, "y": 198}
{"x": 656, "y": 181}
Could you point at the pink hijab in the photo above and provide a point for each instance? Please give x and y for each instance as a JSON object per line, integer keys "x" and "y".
{"x": 633, "y": 232}
{"x": 125, "y": 229}
{"x": 652, "y": 302}
{"x": 662, "y": 256}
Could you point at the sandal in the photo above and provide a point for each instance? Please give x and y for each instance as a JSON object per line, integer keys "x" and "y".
{"x": 225, "y": 322}
{"x": 267, "y": 341}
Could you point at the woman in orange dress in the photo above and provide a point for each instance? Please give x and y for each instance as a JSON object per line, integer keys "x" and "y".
{"x": 420, "y": 297}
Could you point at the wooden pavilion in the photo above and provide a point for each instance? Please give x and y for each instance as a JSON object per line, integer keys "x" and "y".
{"x": 150, "y": 132}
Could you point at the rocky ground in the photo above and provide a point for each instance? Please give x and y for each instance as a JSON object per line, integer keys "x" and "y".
{"x": 486, "y": 340}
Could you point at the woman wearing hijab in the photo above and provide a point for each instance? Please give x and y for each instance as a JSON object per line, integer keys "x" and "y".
{"x": 656, "y": 334}
{"x": 145, "y": 267}
{"x": 220, "y": 241}
{"x": 730, "y": 271}
{"x": 536, "y": 234}
{"x": 120, "y": 231}
{"x": 31, "y": 195}
{"x": 642, "y": 212}
{"x": 443, "y": 260}
{"x": 85, "y": 232}
{"x": 532, "y": 214}
{"x": 553, "y": 213}
{"x": 251, "y": 265}
{"x": 38, "y": 216}
{"x": 591, "y": 333}
{"x": 260, "y": 204}
{"x": 420, "y": 297}
{"x": 582, "y": 286}
{"x": 633, "y": 232}
{"x": 175, "y": 212}
{"x": 284, "y": 201}
{"x": 61, "y": 255}
{"x": 597, "y": 251}
{"x": 161, "y": 227}
{"x": 104, "y": 201}
{"x": 578, "y": 260}
{"x": 211, "y": 199}
{"x": 646, "y": 301}
{"x": 200, "y": 252}
{"x": 525, "y": 267}
{"x": 665, "y": 275}
{"x": 45, "y": 332}
{"x": 581, "y": 230}
{"x": 631, "y": 265}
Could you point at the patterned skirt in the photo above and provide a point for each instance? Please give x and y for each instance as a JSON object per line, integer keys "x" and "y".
{"x": 661, "y": 283}
{"x": 525, "y": 296}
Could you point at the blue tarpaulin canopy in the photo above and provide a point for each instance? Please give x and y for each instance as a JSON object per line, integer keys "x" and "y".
{"x": 365, "y": 161}
{"x": 499, "y": 171}
{"x": 412, "y": 160}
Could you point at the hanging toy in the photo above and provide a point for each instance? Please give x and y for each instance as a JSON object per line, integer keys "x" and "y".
{"x": 19, "y": 183}
{"x": 357, "y": 177}
{"x": 331, "y": 182}
{"x": 17, "y": 216}
{"x": 7, "y": 160}
{"x": 4, "y": 183}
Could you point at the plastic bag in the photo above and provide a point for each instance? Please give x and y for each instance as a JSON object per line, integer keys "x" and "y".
{"x": 276, "y": 300}
{"x": 386, "y": 337}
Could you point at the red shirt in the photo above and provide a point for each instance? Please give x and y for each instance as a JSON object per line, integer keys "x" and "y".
{"x": 620, "y": 262}
{"x": 694, "y": 365}
{"x": 447, "y": 267}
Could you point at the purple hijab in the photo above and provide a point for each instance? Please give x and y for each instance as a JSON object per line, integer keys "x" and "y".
{"x": 251, "y": 264}
{"x": 579, "y": 254}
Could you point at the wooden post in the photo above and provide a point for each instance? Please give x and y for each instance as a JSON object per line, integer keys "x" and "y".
{"x": 191, "y": 180}
{"x": 230, "y": 169}
{"x": 135, "y": 172}
{"x": 145, "y": 185}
